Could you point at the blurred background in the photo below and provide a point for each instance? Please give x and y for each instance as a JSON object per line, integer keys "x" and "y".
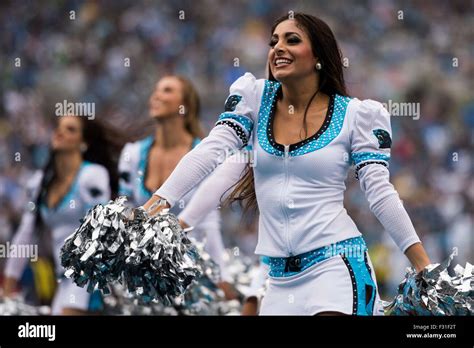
{"x": 399, "y": 51}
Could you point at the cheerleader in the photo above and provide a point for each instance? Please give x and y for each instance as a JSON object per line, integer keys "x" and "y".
{"x": 306, "y": 132}
{"x": 79, "y": 175}
{"x": 144, "y": 165}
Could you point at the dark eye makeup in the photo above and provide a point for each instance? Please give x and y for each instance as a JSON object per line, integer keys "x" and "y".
{"x": 272, "y": 42}
{"x": 294, "y": 40}
{"x": 291, "y": 40}
{"x": 71, "y": 129}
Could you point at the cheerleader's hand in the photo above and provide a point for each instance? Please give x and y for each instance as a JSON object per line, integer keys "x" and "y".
{"x": 131, "y": 214}
{"x": 418, "y": 257}
{"x": 250, "y": 306}
{"x": 183, "y": 224}
{"x": 155, "y": 204}
{"x": 229, "y": 291}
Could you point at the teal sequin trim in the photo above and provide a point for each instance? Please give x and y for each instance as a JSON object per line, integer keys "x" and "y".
{"x": 330, "y": 129}
{"x": 352, "y": 246}
{"x": 360, "y": 157}
{"x": 363, "y": 285}
{"x": 244, "y": 121}
{"x": 331, "y": 132}
{"x": 268, "y": 101}
{"x": 145, "y": 146}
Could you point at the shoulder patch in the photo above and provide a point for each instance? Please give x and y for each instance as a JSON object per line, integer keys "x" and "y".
{"x": 385, "y": 142}
{"x": 125, "y": 176}
{"x": 95, "y": 192}
{"x": 232, "y": 102}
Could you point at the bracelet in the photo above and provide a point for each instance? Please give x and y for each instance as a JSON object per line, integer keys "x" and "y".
{"x": 160, "y": 202}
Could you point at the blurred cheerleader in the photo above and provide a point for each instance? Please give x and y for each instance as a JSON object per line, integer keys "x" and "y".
{"x": 80, "y": 173}
{"x": 305, "y": 132}
{"x": 146, "y": 164}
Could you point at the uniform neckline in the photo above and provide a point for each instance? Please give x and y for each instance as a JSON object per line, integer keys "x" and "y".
{"x": 68, "y": 193}
{"x": 297, "y": 145}
{"x": 150, "y": 141}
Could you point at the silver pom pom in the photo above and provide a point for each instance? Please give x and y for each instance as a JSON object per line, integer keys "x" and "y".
{"x": 150, "y": 256}
{"x": 121, "y": 302}
{"x": 161, "y": 262}
{"x": 434, "y": 292}
{"x": 203, "y": 296}
{"x": 95, "y": 253}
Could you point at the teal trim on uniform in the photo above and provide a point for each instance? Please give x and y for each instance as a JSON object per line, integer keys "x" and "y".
{"x": 363, "y": 286}
{"x": 244, "y": 121}
{"x": 269, "y": 99}
{"x": 330, "y": 129}
{"x": 145, "y": 146}
{"x": 331, "y": 132}
{"x": 279, "y": 265}
{"x": 68, "y": 196}
{"x": 265, "y": 260}
{"x": 359, "y": 157}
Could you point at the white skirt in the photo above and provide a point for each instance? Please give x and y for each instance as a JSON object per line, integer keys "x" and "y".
{"x": 337, "y": 284}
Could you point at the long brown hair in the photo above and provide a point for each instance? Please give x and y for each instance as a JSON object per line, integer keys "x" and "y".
{"x": 331, "y": 81}
{"x": 104, "y": 143}
{"x": 192, "y": 107}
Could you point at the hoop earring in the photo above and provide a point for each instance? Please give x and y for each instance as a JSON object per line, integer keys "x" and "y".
{"x": 318, "y": 66}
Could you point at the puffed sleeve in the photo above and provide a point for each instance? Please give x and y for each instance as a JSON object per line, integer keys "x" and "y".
{"x": 371, "y": 135}
{"x": 239, "y": 108}
{"x": 94, "y": 187}
{"x": 231, "y": 133}
{"x": 24, "y": 235}
{"x": 370, "y": 151}
{"x": 126, "y": 172}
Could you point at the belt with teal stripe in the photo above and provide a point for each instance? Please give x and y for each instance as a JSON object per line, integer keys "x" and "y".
{"x": 288, "y": 266}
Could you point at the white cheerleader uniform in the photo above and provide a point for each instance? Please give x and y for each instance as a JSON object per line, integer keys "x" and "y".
{"x": 90, "y": 187}
{"x": 318, "y": 259}
{"x": 206, "y": 228}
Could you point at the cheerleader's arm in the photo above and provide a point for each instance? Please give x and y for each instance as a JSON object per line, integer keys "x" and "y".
{"x": 370, "y": 151}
